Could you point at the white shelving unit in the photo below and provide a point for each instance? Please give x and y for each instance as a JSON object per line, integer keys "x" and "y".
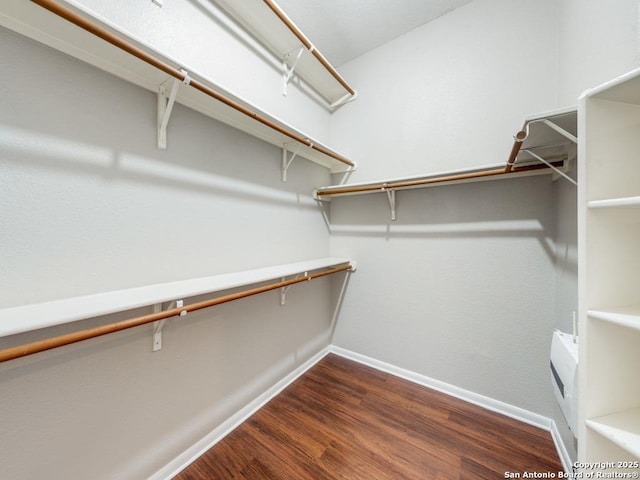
{"x": 609, "y": 265}
{"x": 299, "y": 56}
{"x": 36, "y": 22}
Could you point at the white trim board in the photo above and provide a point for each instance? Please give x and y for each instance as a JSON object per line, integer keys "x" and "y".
{"x": 191, "y": 454}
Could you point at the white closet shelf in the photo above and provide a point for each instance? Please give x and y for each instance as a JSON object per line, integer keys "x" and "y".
{"x": 625, "y": 316}
{"x": 266, "y": 20}
{"x": 46, "y": 314}
{"x": 545, "y": 145}
{"x": 620, "y": 89}
{"x": 490, "y": 172}
{"x": 211, "y": 99}
{"x": 623, "y": 202}
{"x": 549, "y": 135}
{"x": 622, "y": 428}
{"x": 624, "y": 209}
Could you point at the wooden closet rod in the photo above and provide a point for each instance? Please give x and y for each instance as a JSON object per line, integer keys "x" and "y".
{"x": 429, "y": 181}
{"x": 54, "y": 342}
{"x": 118, "y": 42}
{"x": 308, "y": 45}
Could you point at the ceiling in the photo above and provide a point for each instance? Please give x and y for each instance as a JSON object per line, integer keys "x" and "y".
{"x": 345, "y": 29}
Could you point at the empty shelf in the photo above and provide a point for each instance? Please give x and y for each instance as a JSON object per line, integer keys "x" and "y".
{"x": 626, "y": 317}
{"x": 622, "y": 428}
{"x": 32, "y": 317}
{"x": 103, "y": 45}
{"x": 271, "y": 25}
{"x": 445, "y": 178}
{"x": 624, "y": 202}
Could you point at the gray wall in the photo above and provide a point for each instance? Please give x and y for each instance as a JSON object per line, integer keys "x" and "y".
{"x": 598, "y": 40}
{"x": 89, "y": 204}
{"x": 461, "y": 287}
{"x": 465, "y": 287}
{"x": 449, "y": 95}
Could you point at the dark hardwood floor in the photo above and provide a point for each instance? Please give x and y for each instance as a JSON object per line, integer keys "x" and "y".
{"x": 343, "y": 420}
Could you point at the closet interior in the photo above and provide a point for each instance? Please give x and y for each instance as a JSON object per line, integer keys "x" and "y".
{"x": 588, "y": 148}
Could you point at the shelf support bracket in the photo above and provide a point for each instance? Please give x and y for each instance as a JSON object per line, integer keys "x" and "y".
{"x": 286, "y": 162}
{"x": 342, "y": 101}
{"x": 287, "y": 72}
{"x": 166, "y": 100}
{"x": 159, "y": 325}
{"x": 284, "y": 290}
{"x": 560, "y": 130}
{"x": 391, "y": 196}
{"x": 555, "y": 169}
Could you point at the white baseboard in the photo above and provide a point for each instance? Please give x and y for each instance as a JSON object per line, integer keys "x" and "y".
{"x": 517, "y": 413}
{"x": 187, "y": 457}
{"x": 497, "y": 406}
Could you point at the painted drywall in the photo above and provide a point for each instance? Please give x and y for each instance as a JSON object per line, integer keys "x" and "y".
{"x": 598, "y": 40}
{"x": 450, "y": 94}
{"x": 84, "y": 191}
{"x": 90, "y": 204}
{"x": 461, "y": 287}
{"x": 566, "y": 279}
{"x": 200, "y": 35}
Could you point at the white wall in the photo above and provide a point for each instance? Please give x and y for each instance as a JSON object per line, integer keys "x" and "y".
{"x": 459, "y": 288}
{"x": 598, "y": 40}
{"x": 89, "y": 204}
{"x": 566, "y": 277}
{"x": 463, "y": 280}
{"x": 201, "y": 36}
{"x": 450, "y": 94}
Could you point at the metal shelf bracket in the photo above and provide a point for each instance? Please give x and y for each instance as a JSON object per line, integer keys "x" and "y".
{"x": 166, "y": 98}
{"x": 287, "y": 71}
{"x": 555, "y": 169}
{"x": 391, "y": 196}
{"x": 343, "y": 101}
{"x": 560, "y": 130}
{"x": 284, "y": 290}
{"x": 159, "y": 325}
{"x": 286, "y": 161}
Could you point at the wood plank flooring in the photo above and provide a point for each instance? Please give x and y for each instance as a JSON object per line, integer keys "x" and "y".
{"x": 343, "y": 420}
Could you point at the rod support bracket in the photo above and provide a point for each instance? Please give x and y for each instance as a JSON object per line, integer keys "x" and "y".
{"x": 284, "y": 290}
{"x": 286, "y": 161}
{"x": 391, "y": 196}
{"x": 167, "y": 93}
{"x": 159, "y": 325}
{"x": 555, "y": 169}
{"x": 287, "y": 71}
{"x": 560, "y": 130}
